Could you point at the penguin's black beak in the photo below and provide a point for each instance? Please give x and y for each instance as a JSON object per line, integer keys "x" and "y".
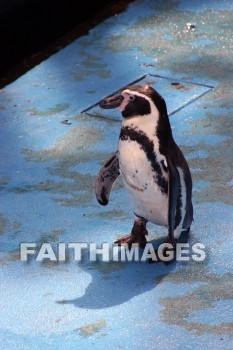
{"x": 111, "y": 102}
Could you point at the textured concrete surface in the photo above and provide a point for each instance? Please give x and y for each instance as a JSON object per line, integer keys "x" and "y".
{"x": 51, "y": 153}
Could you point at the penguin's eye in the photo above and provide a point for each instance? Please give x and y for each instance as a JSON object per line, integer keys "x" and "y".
{"x": 131, "y": 97}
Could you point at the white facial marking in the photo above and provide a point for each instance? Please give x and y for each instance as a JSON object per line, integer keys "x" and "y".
{"x": 125, "y": 101}
{"x": 146, "y": 123}
{"x": 128, "y": 94}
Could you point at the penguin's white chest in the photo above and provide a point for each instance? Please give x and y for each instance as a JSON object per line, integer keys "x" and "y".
{"x": 141, "y": 182}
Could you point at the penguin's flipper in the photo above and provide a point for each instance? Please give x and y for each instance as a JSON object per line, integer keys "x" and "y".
{"x": 108, "y": 174}
{"x": 173, "y": 192}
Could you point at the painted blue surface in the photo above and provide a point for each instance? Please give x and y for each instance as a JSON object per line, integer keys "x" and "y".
{"x": 50, "y": 155}
{"x": 221, "y": 312}
{"x": 178, "y": 94}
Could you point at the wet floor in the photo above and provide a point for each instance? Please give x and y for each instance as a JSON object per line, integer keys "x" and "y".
{"x": 54, "y": 139}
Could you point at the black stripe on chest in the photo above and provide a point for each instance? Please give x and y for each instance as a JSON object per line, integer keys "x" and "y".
{"x": 128, "y": 133}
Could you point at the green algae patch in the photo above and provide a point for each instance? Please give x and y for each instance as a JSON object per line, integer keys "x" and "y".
{"x": 9, "y": 257}
{"x": 58, "y": 108}
{"x": 3, "y": 224}
{"x": 4, "y": 181}
{"x": 116, "y": 214}
{"x": 71, "y": 148}
{"x": 92, "y": 65}
{"x": 62, "y": 302}
{"x": 211, "y": 46}
{"x": 8, "y": 226}
{"x": 52, "y": 236}
{"x": 91, "y": 328}
{"x": 81, "y": 75}
{"x": 214, "y": 288}
{"x": 68, "y": 151}
{"x": 219, "y": 157}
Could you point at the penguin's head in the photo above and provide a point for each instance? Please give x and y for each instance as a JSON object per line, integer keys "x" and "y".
{"x": 136, "y": 100}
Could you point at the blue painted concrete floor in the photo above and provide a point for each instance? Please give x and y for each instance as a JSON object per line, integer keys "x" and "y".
{"x": 51, "y": 153}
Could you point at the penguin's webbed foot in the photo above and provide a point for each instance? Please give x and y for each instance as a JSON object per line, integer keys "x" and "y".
{"x": 137, "y": 236}
{"x": 132, "y": 239}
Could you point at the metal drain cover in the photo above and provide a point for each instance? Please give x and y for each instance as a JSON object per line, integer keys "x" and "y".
{"x": 177, "y": 94}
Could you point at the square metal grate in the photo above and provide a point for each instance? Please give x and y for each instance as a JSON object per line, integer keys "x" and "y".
{"x": 177, "y": 94}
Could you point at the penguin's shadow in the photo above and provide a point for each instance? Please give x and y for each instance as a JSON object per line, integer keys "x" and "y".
{"x": 114, "y": 283}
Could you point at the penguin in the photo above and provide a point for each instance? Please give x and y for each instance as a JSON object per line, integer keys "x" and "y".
{"x": 154, "y": 170}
